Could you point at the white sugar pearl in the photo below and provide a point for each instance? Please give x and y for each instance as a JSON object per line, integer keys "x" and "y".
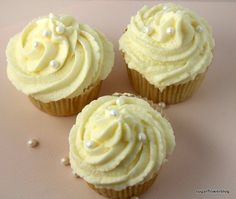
{"x": 33, "y": 143}
{"x": 162, "y": 104}
{"x": 65, "y": 161}
{"x": 54, "y": 63}
{"x": 46, "y": 33}
{"x": 142, "y": 137}
{"x": 120, "y": 101}
{"x": 89, "y": 144}
{"x": 51, "y": 16}
{"x": 135, "y": 197}
{"x": 148, "y": 30}
{"x": 199, "y": 29}
{"x": 170, "y": 30}
{"x": 114, "y": 112}
{"x": 165, "y": 7}
{"x": 36, "y": 44}
{"x": 60, "y": 29}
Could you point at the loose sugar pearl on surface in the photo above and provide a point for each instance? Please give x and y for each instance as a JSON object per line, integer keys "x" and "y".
{"x": 65, "y": 161}
{"x": 33, "y": 143}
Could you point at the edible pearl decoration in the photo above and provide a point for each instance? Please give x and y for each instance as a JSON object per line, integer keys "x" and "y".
{"x": 46, "y": 33}
{"x": 114, "y": 112}
{"x": 162, "y": 104}
{"x": 33, "y": 143}
{"x": 55, "y": 64}
{"x": 170, "y": 30}
{"x": 147, "y": 30}
{"x": 89, "y": 144}
{"x": 199, "y": 29}
{"x": 142, "y": 137}
{"x": 65, "y": 161}
{"x": 36, "y": 44}
{"x": 120, "y": 101}
{"x": 135, "y": 197}
{"x": 60, "y": 29}
{"x": 51, "y": 16}
{"x": 165, "y": 7}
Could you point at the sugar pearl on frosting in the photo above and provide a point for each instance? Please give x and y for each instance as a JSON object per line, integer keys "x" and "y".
{"x": 60, "y": 29}
{"x": 199, "y": 29}
{"x": 46, "y": 33}
{"x": 54, "y": 63}
{"x": 147, "y": 29}
{"x": 51, "y": 16}
{"x": 114, "y": 112}
{"x": 36, "y": 44}
{"x": 89, "y": 144}
{"x": 165, "y": 7}
{"x": 142, "y": 137}
{"x": 120, "y": 101}
{"x": 33, "y": 143}
{"x": 65, "y": 161}
{"x": 170, "y": 30}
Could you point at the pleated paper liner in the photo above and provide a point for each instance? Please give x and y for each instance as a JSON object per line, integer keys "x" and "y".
{"x": 170, "y": 95}
{"x": 127, "y": 193}
{"x": 68, "y": 106}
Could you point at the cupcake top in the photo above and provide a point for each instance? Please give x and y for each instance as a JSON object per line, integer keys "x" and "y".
{"x": 55, "y": 57}
{"x": 119, "y": 141}
{"x": 167, "y": 44}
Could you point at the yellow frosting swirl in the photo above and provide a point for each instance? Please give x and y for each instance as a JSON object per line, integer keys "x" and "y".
{"x": 55, "y": 57}
{"x": 167, "y": 44}
{"x": 119, "y": 141}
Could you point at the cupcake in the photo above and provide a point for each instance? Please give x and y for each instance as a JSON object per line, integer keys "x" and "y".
{"x": 118, "y": 145}
{"x": 59, "y": 63}
{"x": 167, "y": 50}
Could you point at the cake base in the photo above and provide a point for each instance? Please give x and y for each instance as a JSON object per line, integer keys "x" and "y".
{"x": 68, "y": 106}
{"x": 127, "y": 193}
{"x": 170, "y": 95}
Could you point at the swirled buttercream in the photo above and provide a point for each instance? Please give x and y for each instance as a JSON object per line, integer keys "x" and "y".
{"x": 119, "y": 141}
{"x": 55, "y": 57}
{"x": 167, "y": 44}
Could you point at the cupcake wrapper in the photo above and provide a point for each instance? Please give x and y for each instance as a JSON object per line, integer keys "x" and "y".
{"x": 170, "y": 95}
{"x": 135, "y": 190}
{"x": 68, "y": 106}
